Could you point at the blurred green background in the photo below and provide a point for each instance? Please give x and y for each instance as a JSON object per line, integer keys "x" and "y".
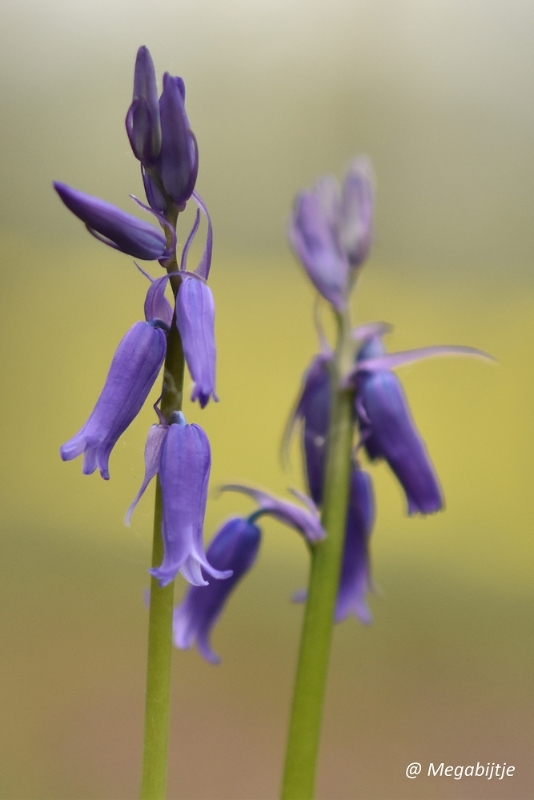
{"x": 439, "y": 94}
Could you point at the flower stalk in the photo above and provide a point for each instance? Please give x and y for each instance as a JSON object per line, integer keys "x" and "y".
{"x": 326, "y": 556}
{"x": 158, "y": 679}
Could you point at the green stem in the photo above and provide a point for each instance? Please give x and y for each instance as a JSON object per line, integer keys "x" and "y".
{"x": 310, "y": 683}
{"x": 158, "y": 683}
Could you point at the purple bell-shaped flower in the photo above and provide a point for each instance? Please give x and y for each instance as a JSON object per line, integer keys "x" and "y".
{"x": 235, "y": 547}
{"x": 132, "y": 374}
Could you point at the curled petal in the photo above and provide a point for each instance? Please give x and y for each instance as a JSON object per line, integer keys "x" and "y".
{"x": 315, "y": 245}
{"x": 203, "y": 268}
{"x": 195, "y": 319}
{"x": 134, "y": 369}
{"x": 184, "y": 470}
{"x": 393, "y": 360}
{"x": 235, "y": 547}
{"x": 305, "y": 521}
{"x": 154, "y": 443}
{"x": 113, "y": 226}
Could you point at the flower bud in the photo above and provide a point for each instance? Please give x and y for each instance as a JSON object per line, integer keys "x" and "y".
{"x": 178, "y": 164}
{"x": 113, "y": 226}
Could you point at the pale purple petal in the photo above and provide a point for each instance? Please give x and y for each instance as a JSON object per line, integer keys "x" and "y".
{"x": 154, "y": 443}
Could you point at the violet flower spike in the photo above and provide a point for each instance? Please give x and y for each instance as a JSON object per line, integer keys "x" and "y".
{"x": 114, "y": 227}
{"x": 178, "y": 163}
{"x": 315, "y": 244}
{"x": 235, "y": 547}
{"x": 195, "y": 319}
{"x": 306, "y": 521}
{"x": 134, "y": 369}
{"x": 184, "y": 469}
{"x": 142, "y": 120}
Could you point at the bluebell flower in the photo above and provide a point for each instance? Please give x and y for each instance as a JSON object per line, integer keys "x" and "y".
{"x": 355, "y": 580}
{"x": 195, "y": 318}
{"x": 313, "y": 411}
{"x": 178, "y": 164}
{"x": 132, "y": 374}
{"x": 113, "y": 226}
{"x": 180, "y": 454}
{"x": 235, "y": 547}
{"x": 142, "y": 120}
{"x": 387, "y": 428}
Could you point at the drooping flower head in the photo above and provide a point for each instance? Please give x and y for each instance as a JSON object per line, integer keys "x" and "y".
{"x": 235, "y": 547}
{"x": 387, "y": 428}
{"x": 181, "y": 455}
{"x": 132, "y": 374}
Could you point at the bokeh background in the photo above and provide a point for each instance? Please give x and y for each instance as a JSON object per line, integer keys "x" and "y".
{"x": 439, "y": 93}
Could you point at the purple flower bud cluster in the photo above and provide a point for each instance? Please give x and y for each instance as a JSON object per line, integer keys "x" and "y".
{"x": 161, "y": 138}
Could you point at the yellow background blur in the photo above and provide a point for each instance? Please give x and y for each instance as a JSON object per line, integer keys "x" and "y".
{"x": 439, "y": 95}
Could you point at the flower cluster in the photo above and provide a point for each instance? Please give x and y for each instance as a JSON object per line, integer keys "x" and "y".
{"x": 331, "y": 231}
{"x": 162, "y": 140}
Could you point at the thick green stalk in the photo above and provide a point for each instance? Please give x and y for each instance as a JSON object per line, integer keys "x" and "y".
{"x": 158, "y": 684}
{"x": 306, "y": 715}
